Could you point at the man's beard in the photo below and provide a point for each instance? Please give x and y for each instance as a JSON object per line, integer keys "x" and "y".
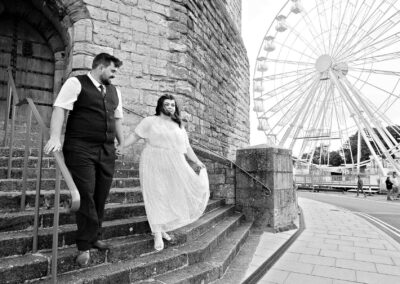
{"x": 105, "y": 81}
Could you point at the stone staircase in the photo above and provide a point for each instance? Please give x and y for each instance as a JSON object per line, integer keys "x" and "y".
{"x": 201, "y": 253}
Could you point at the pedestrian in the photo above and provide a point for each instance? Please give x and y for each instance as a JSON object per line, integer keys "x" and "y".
{"x": 389, "y": 186}
{"x": 360, "y": 185}
{"x": 174, "y": 195}
{"x": 94, "y": 121}
{"x": 395, "y": 190}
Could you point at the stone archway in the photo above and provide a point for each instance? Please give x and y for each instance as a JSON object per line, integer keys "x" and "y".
{"x": 35, "y": 42}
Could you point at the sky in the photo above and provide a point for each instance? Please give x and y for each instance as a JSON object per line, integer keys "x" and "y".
{"x": 257, "y": 16}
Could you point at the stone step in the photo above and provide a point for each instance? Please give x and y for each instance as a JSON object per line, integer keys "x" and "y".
{"x": 49, "y": 162}
{"x": 151, "y": 265}
{"x": 213, "y": 267}
{"x": 20, "y": 242}
{"x": 48, "y": 173}
{"x": 10, "y": 201}
{"x": 19, "y": 152}
{"x": 23, "y": 220}
{"x": 122, "y": 248}
{"x": 8, "y": 185}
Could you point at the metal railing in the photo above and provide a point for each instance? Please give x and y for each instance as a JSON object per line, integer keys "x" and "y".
{"x": 203, "y": 148}
{"x": 340, "y": 181}
{"x": 13, "y": 102}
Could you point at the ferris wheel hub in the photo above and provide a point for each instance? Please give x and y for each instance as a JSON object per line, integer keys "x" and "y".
{"x": 323, "y": 63}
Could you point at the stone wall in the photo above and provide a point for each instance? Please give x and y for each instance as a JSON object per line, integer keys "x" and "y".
{"x": 234, "y": 8}
{"x": 221, "y": 174}
{"x": 272, "y": 167}
{"x": 189, "y": 48}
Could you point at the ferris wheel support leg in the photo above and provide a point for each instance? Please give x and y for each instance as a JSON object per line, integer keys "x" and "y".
{"x": 371, "y": 130}
{"x": 369, "y": 113}
{"x": 358, "y": 151}
{"x": 371, "y": 149}
{"x": 353, "y": 107}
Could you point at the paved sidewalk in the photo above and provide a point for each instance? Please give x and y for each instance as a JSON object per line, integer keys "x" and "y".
{"x": 337, "y": 247}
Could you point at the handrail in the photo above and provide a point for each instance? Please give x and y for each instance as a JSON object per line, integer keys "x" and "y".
{"x": 202, "y": 147}
{"x": 60, "y": 166}
{"x": 75, "y": 197}
{"x": 13, "y": 87}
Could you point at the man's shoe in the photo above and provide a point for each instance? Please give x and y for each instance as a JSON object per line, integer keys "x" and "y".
{"x": 83, "y": 259}
{"x": 100, "y": 245}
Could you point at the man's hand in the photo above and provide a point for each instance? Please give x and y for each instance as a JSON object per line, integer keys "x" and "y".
{"x": 120, "y": 150}
{"x": 54, "y": 144}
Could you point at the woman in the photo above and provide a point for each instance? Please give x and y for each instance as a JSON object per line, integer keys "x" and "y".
{"x": 174, "y": 195}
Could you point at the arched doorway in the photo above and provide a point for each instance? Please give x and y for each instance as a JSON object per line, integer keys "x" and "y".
{"x": 30, "y": 44}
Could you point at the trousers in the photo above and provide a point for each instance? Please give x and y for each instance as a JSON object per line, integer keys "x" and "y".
{"x": 92, "y": 169}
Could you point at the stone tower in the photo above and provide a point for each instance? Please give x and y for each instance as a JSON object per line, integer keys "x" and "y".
{"x": 189, "y": 48}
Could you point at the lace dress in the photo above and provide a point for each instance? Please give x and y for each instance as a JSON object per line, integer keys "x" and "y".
{"x": 174, "y": 195}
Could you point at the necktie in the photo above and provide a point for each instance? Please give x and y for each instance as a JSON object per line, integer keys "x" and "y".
{"x": 102, "y": 90}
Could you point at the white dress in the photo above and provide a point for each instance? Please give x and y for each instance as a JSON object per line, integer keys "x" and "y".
{"x": 174, "y": 195}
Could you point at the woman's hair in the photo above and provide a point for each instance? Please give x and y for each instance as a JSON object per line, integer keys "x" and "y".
{"x": 176, "y": 117}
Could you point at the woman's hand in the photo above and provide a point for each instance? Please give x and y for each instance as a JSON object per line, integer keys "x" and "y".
{"x": 199, "y": 165}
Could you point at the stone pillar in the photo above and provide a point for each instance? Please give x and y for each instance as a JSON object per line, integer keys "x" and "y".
{"x": 273, "y": 167}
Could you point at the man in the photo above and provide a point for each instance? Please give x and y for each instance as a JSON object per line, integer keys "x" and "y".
{"x": 94, "y": 121}
{"x": 389, "y": 186}
{"x": 360, "y": 185}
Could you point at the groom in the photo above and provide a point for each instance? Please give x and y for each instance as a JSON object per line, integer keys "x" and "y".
{"x": 94, "y": 121}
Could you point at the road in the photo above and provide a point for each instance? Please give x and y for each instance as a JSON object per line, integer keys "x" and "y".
{"x": 383, "y": 214}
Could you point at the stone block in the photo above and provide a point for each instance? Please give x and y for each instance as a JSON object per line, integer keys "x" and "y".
{"x": 106, "y": 40}
{"x": 157, "y": 71}
{"x": 156, "y": 18}
{"x": 80, "y": 33}
{"x": 128, "y": 46}
{"x": 160, "y": 8}
{"x": 144, "y": 4}
{"x": 113, "y": 18}
{"x": 80, "y": 61}
{"x": 97, "y": 13}
{"x": 130, "y": 2}
{"x": 178, "y": 27}
{"x": 109, "y": 5}
{"x": 138, "y": 13}
{"x": 93, "y": 2}
{"x": 91, "y": 48}
{"x": 180, "y": 47}
{"x": 163, "y": 2}
{"x": 217, "y": 179}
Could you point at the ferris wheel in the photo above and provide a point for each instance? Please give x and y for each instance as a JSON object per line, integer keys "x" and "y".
{"x": 327, "y": 69}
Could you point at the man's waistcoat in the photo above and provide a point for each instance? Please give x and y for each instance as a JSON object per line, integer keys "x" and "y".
{"x": 92, "y": 119}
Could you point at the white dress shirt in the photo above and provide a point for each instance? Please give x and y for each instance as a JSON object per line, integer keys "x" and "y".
{"x": 71, "y": 89}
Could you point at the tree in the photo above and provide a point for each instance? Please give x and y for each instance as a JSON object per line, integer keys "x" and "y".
{"x": 365, "y": 152}
{"x": 335, "y": 159}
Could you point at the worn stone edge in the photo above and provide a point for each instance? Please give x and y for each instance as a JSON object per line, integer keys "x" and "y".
{"x": 267, "y": 264}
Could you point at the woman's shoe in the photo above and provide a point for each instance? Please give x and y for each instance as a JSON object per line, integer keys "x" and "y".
{"x": 166, "y": 237}
{"x": 158, "y": 242}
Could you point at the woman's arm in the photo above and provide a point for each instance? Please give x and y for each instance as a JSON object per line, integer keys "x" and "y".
{"x": 192, "y": 157}
{"x": 132, "y": 138}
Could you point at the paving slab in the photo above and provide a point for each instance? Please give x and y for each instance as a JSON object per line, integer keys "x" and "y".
{"x": 337, "y": 246}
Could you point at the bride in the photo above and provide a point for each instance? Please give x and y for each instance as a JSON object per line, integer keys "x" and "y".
{"x": 174, "y": 195}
